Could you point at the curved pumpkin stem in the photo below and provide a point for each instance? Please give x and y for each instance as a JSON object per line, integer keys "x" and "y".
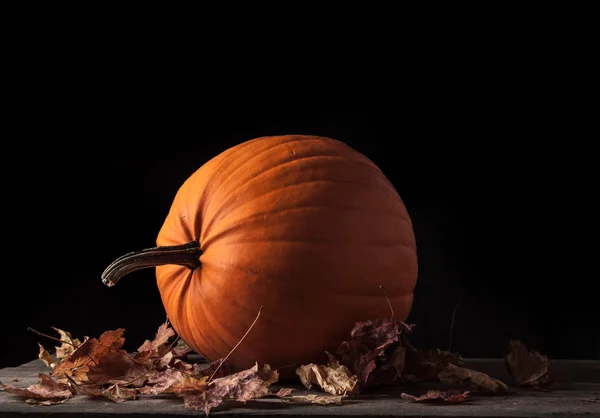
{"x": 186, "y": 255}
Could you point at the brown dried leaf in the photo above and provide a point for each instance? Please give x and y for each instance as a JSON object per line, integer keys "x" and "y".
{"x": 391, "y": 366}
{"x": 181, "y": 349}
{"x": 369, "y": 340}
{"x": 69, "y": 344}
{"x": 45, "y": 356}
{"x": 77, "y": 364}
{"x": 248, "y": 384}
{"x": 168, "y": 380}
{"x": 283, "y": 392}
{"x": 119, "y": 367}
{"x": 450, "y": 396}
{"x": 456, "y": 375}
{"x": 333, "y": 378}
{"x": 426, "y": 365}
{"x": 223, "y": 370}
{"x": 162, "y": 381}
{"x": 315, "y": 399}
{"x": 526, "y": 366}
{"x": 157, "y": 347}
{"x": 46, "y": 392}
{"x": 116, "y": 393}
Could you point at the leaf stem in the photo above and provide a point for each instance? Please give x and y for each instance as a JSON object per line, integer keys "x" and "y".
{"x": 388, "y": 301}
{"x": 452, "y": 327}
{"x": 236, "y": 346}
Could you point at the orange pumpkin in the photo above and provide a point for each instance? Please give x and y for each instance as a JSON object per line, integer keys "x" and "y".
{"x": 304, "y": 226}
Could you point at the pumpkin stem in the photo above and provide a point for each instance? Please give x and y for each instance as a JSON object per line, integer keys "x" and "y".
{"x": 186, "y": 255}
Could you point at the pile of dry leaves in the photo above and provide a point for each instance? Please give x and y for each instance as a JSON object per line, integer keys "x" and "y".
{"x": 377, "y": 354}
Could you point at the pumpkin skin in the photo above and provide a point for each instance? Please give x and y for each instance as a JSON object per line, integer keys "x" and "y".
{"x": 304, "y": 226}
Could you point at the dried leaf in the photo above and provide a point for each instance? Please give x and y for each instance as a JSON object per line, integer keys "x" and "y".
{"x": 369, "y": 340}
{"x": 248, "y": 384}
{"x": 116, "y": 393}
{"x": 526, "y": 366}
{"x": 119, "y": 367}
{"x": 315, "y": 399}
{"x": 181, "y": 349}
{"x": 426, "y": 365}
{"x": 333, "y": 378}
{"x": 162, "y": 381}
{"x": 77, "y": 364}
{"x": 69, "y": 344}
{"x": 223, "y": 369}
{"x": 157, "y": 347}
{"x": 450, "y": 396}
{"x": 169, "y": 379}
{"x": 456, "y": 375}
{"x": 282, "y": 392}
{"x": 45, "y": 356}
{"x": 46, "y": 392}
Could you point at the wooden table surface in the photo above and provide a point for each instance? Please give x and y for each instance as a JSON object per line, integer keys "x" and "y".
{"x": 576, "y": 392}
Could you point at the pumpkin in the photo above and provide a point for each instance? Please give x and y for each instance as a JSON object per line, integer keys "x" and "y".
{"x": 304, "y": 226}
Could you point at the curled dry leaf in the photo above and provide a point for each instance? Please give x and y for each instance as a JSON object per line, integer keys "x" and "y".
{"x": 333, "y": 378}
{"x": 46, "y": 392}
{"x": 77, "y": 364}
{"x": 243, "y": 386}
{"x": 174, "y": 381}
{"x": 526, "y": 366}
{"x": 68, "y": 345}
{"x": 119, "y": 367}
{"x": 426, "y": 365}
{"x": 169, "y": 380}
{"x": 116, "y": 393}
{"x": 181, "y": 349}
{"x": 46, "y": 357}
{"x": 282, "y": 392}
{"x": 156, "y": 347}
{"x": 314, "y": 399}
{"x": 367, "y": 344}
{"x": 450, "y": 396}
{"x": 453, "y": 375}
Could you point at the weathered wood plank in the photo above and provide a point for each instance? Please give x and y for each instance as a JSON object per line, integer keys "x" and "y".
{"x": 576, "y": 392}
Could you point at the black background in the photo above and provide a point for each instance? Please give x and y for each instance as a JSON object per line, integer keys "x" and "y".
{"x": 489, "y": 175}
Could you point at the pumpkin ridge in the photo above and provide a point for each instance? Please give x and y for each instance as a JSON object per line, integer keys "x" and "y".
{"x": 248, "y": 182}
{"x": 253, "y": 156}
{"x": 313, "y": 240}
{"x": 279, "y": 189}
{"x": 231, "y": 339}
{"x": 233, "y": 301}
{"x": 222, "y": 181}
{"x": 199, "y": 322}
{"x": 242, "y": 223}
{"x": 179, "y": 289}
